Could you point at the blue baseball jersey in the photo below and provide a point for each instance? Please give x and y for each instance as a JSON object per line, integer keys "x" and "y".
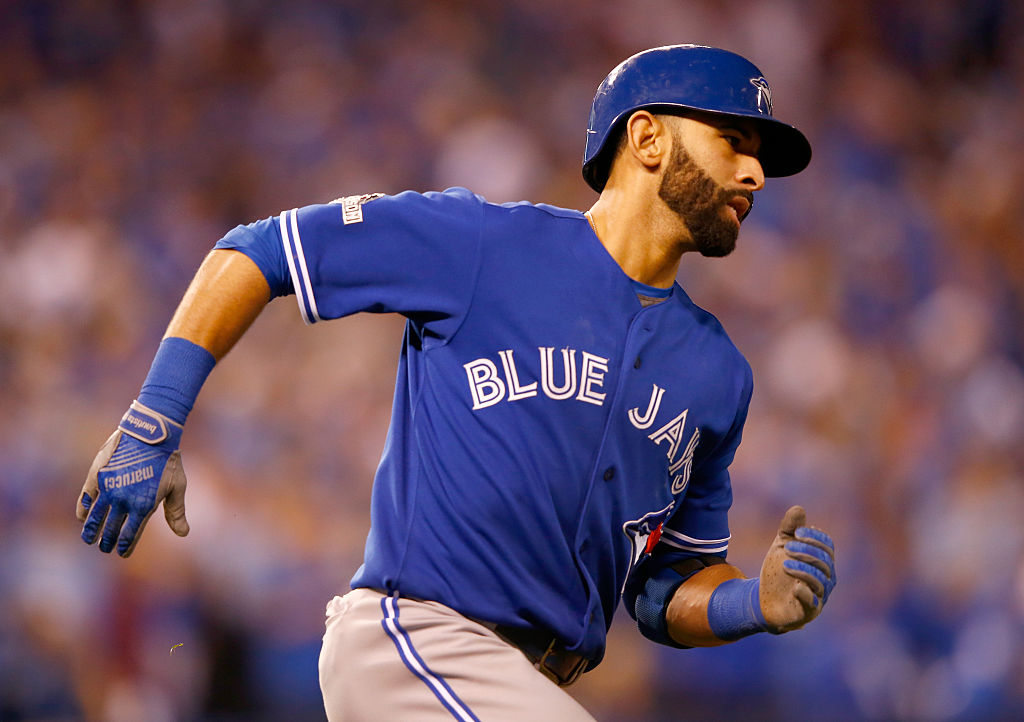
{"x": 548, "y": 429}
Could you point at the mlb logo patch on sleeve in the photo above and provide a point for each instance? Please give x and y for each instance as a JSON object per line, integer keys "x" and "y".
{"x": 352, "y": 206}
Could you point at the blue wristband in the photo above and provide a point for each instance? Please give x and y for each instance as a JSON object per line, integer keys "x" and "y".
{"x": 179, "y": 370}
{"x": 734, "y": 610}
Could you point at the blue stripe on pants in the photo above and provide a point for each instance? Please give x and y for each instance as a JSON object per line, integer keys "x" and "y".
{"x": 412, "y": 660}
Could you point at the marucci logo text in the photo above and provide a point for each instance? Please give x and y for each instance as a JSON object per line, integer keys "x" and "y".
{"x": 132, "y": 477}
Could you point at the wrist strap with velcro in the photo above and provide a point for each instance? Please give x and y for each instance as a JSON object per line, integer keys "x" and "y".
{"x": 149, "y": 426}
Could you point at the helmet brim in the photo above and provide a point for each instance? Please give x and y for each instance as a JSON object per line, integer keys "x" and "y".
{"x": 784, "y": 150}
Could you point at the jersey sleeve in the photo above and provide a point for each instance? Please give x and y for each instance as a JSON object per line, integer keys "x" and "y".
{"x": 411, "y": 253}
{"x": 701, "y": 524}
{"x": 261, "y": 242}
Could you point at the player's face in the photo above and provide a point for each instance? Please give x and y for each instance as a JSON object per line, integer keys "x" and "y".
{"x": 712, "y": 209}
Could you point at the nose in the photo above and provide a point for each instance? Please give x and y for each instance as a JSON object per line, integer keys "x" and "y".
{"x": 750, "y": 173}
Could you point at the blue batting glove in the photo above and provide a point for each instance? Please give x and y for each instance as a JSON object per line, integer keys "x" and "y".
{"x": 138, "y": 467}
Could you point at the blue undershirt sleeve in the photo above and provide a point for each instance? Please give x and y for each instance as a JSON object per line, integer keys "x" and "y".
{"x": 261, "y": 242}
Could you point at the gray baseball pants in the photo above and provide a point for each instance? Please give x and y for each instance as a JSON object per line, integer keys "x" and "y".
{"x": 388, "y": 658}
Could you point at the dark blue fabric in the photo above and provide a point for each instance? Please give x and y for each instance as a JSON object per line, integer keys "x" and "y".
{"x": 652, "y": 604}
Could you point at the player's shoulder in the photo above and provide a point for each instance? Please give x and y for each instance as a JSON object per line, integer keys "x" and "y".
{"x": 462, "y": 201}
{"x": 709, "y": 324}
{"x": 523, "y": 220}
{"x": 440, "y": 210}
{"x": 542, "y": 210}
{"x": 453, "y": 200}
{"x": 518, "y": 219}
{"x": 450, "y": 199}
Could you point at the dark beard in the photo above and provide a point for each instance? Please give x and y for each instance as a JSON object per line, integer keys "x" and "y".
{"x": 699, "y": 201}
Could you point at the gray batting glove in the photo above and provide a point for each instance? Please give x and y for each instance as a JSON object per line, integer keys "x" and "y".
{"x": 798, "y": 574}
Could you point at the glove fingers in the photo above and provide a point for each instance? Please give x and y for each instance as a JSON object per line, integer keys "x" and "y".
{"x": 811, "y": 555}
{"x": 84, "y": 504}
{"x": 115, "y": 519}
{"x": 815, "y": 536}
{"x": 131, "y": 533}
{"x": 809, "y": 575}
{"x": 827, "y": 581}
{"x": 94, "y": 521}
{"x": 820, "y": 559}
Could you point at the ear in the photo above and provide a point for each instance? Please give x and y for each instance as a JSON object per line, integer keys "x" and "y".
{"x": 648, "y": 139}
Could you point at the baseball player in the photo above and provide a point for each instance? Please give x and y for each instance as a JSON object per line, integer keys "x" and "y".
{"x": 564, "y": 415}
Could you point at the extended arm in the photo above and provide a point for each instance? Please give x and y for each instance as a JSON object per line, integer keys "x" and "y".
{"x": 140, "y": 465}
{"x": 225, "y": 297}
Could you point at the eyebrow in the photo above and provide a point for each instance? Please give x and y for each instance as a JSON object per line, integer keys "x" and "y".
{"x": 742, "y": 131}
{"x": 747, "y": 135}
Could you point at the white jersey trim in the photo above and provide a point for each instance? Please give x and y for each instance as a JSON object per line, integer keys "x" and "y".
{"x": 292, "y": 242}
{"x": 688, "y": 543}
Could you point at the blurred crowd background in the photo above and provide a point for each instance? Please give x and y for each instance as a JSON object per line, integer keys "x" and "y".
{"x": 879, "y": 297}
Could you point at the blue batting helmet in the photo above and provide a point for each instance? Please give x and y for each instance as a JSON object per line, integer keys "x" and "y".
{"x": 692, "y": 77}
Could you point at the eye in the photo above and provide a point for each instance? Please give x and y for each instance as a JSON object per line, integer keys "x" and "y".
{"x": 733, "y": 139}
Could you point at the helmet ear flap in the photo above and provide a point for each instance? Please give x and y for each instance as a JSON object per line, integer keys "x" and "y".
{"x": 601, "y": 167}
{"x": 694, "y": 77}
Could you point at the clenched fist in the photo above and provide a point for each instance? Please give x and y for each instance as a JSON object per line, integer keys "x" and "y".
{"x": 797, "y": 575}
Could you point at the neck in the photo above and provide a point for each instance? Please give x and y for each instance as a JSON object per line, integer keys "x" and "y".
{"x": 645, "y": 244}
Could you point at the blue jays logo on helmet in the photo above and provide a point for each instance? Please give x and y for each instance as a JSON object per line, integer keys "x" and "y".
{"x": 763, "y": 93}
{"x": 676, "y": 78}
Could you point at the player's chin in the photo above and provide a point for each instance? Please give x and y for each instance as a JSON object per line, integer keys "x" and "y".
{"x": 718, "y": 240}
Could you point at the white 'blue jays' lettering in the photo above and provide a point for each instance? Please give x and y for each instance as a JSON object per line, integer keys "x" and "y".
{"x": 487, "y": 387}
{"x": 645, "y": 421}
{"x": 672, "y": 432}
